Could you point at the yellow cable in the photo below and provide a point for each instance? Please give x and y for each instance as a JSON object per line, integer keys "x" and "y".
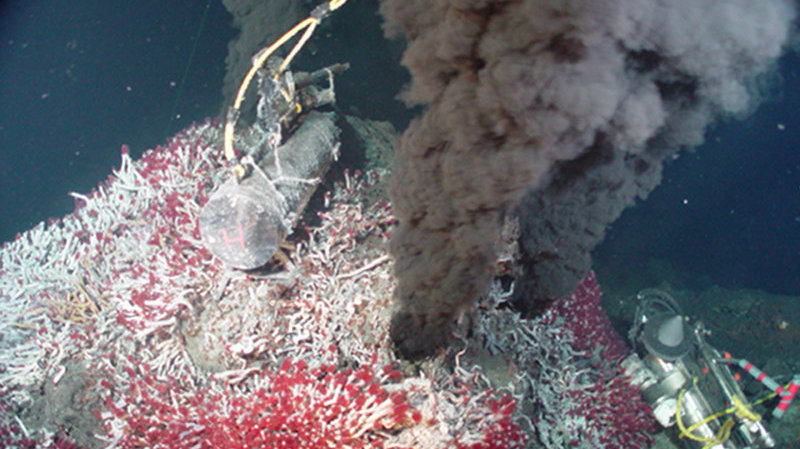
{"x": 311, "y": 24}
{"x": 743, "y": 411}
{"x": 684, "y": 431}
{"x": 311, "y": 27}
{"x": 723, "y": 434}
{"x": 261, "y": 57}
{"x": 739, "y": 408}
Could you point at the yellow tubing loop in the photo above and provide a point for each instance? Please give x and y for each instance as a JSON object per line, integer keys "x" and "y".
{"x": 739, "y": 409}
{"x": 310, "y": 24}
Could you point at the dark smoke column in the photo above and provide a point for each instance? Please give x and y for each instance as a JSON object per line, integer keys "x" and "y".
{"x": 559, "y": 112}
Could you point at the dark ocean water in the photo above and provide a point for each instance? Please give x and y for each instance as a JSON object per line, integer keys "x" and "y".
{"x": 79, "y": 79}
{"x": 728, "y": 211}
